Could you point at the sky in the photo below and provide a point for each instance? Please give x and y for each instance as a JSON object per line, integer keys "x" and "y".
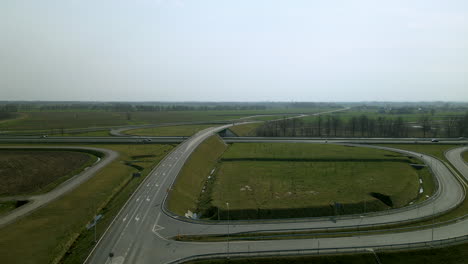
{"x": 238, "y": 50}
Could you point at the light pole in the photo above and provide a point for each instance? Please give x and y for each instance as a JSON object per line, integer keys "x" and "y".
{"x": 228, "y": 232}
{"x": 360, "y": 222}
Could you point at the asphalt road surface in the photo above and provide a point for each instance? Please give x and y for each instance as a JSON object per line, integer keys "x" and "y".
{"x": 142, "y": 231}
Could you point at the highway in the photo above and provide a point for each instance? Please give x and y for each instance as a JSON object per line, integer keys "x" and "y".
{"x": 142, "y": 231}
{"x": 40, "y": 200}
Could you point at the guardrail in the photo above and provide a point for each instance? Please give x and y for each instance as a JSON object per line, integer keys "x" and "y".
{"x": 326, "y": 251}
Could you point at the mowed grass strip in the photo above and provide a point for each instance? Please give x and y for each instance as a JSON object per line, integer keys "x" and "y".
{"x": 306, "y": 151}
{"x": 465, "y": 156}
{"x": 269, "y": 189}
{"x": 246, "y": 129}
{"x": 182, "y": 131}
{"x": 31, "y": 171}
{"x": 45, "y": 235}
{"x": 188, "y": 186}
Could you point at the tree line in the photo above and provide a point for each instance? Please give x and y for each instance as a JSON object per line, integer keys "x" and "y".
{"x": 365, "y": 126}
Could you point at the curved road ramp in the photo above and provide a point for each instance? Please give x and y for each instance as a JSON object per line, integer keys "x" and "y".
{"x": 142, "y": 231}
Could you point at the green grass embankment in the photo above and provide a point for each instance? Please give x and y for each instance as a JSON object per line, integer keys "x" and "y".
{"x": 465, "y": 156}
{"x": 182, "y": 131}
{"x": 32, "y": 171}
{"x": 281, "y": 180}
{"x": 245, "y": 130}
{"x": 194, "y": 175}
{"x": 58, "y": 230}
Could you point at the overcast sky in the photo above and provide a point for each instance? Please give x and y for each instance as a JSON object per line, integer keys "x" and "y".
{"x": 188, "y": 50}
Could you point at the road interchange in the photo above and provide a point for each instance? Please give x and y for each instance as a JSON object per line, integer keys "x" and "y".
{"x": 142, "y": 230}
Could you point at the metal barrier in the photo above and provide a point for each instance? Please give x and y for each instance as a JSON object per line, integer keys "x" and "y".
{"x": 327, "y": 251}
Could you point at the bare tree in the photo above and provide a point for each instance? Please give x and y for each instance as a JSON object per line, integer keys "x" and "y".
{"x": 425, "y": 124}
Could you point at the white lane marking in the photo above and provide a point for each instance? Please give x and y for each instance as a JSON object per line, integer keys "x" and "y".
{"x": 125, "y": 218}
{"x": 147, "y": 185}
{"x": 156, "y": 185}
{"x": 157, "y": 227}
{"x": 137, "y": 218}
{"x": 138, "y": 199}
{"x": 147, "y": 198}
{"x": 164, "y": 174}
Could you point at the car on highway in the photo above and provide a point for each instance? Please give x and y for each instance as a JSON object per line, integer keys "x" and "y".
{"x": 147, "y": 140}
{"x": 434, "y": 140}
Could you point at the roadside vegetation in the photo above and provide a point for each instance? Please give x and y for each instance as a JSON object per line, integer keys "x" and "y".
{"x": 187, "y": 192}
{"x": 246, "y": 130}
{"x": 56, "y": 118}
{"x": 33, "y": 171}
{"x": 181, "y": 131}
{"x": 56, "y": 233}
{"x": 448, "y": 255}
{"x": 465, "y": 156}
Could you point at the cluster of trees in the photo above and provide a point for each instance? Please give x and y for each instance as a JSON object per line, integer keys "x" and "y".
{"x": 7, "y": 111}
{"x": 133, "y": 107}
{"x": 364, "y": 126}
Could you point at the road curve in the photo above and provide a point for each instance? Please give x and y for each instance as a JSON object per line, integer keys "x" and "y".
{"x": 38, "y": 201}
{"x": 140, "y": 233}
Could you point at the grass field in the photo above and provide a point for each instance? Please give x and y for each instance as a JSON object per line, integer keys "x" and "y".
{"x": 103, "y": 133}
{"x": 285, "y": 151}
{"x": 271, "y": 189}
{"x": 33, "y": 171}
{"x": 245, "y": 130}
{"x": 193, "y": 176}
{"x": 450, "y": 255}
{"x": 465, "y": 156}
{"x": 47, "y": 234}
{"x": 80, "y": 119}
{"x": 279, "y": 180}
{"x": 7, "y": 206}
{"x": 182, "y": 131}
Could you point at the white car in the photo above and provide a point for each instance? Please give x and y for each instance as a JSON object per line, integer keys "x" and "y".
{"x": 434, "y": 140}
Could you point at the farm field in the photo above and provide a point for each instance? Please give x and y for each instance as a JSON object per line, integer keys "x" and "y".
{"x": 49, "y": 232}
{"x": 34, "y": 171}
{"x": 80, "y": 119}
{"x": 183, "y": 130}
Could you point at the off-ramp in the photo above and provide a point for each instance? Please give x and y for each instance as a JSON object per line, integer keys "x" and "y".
{"x": 142, "y": 231}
